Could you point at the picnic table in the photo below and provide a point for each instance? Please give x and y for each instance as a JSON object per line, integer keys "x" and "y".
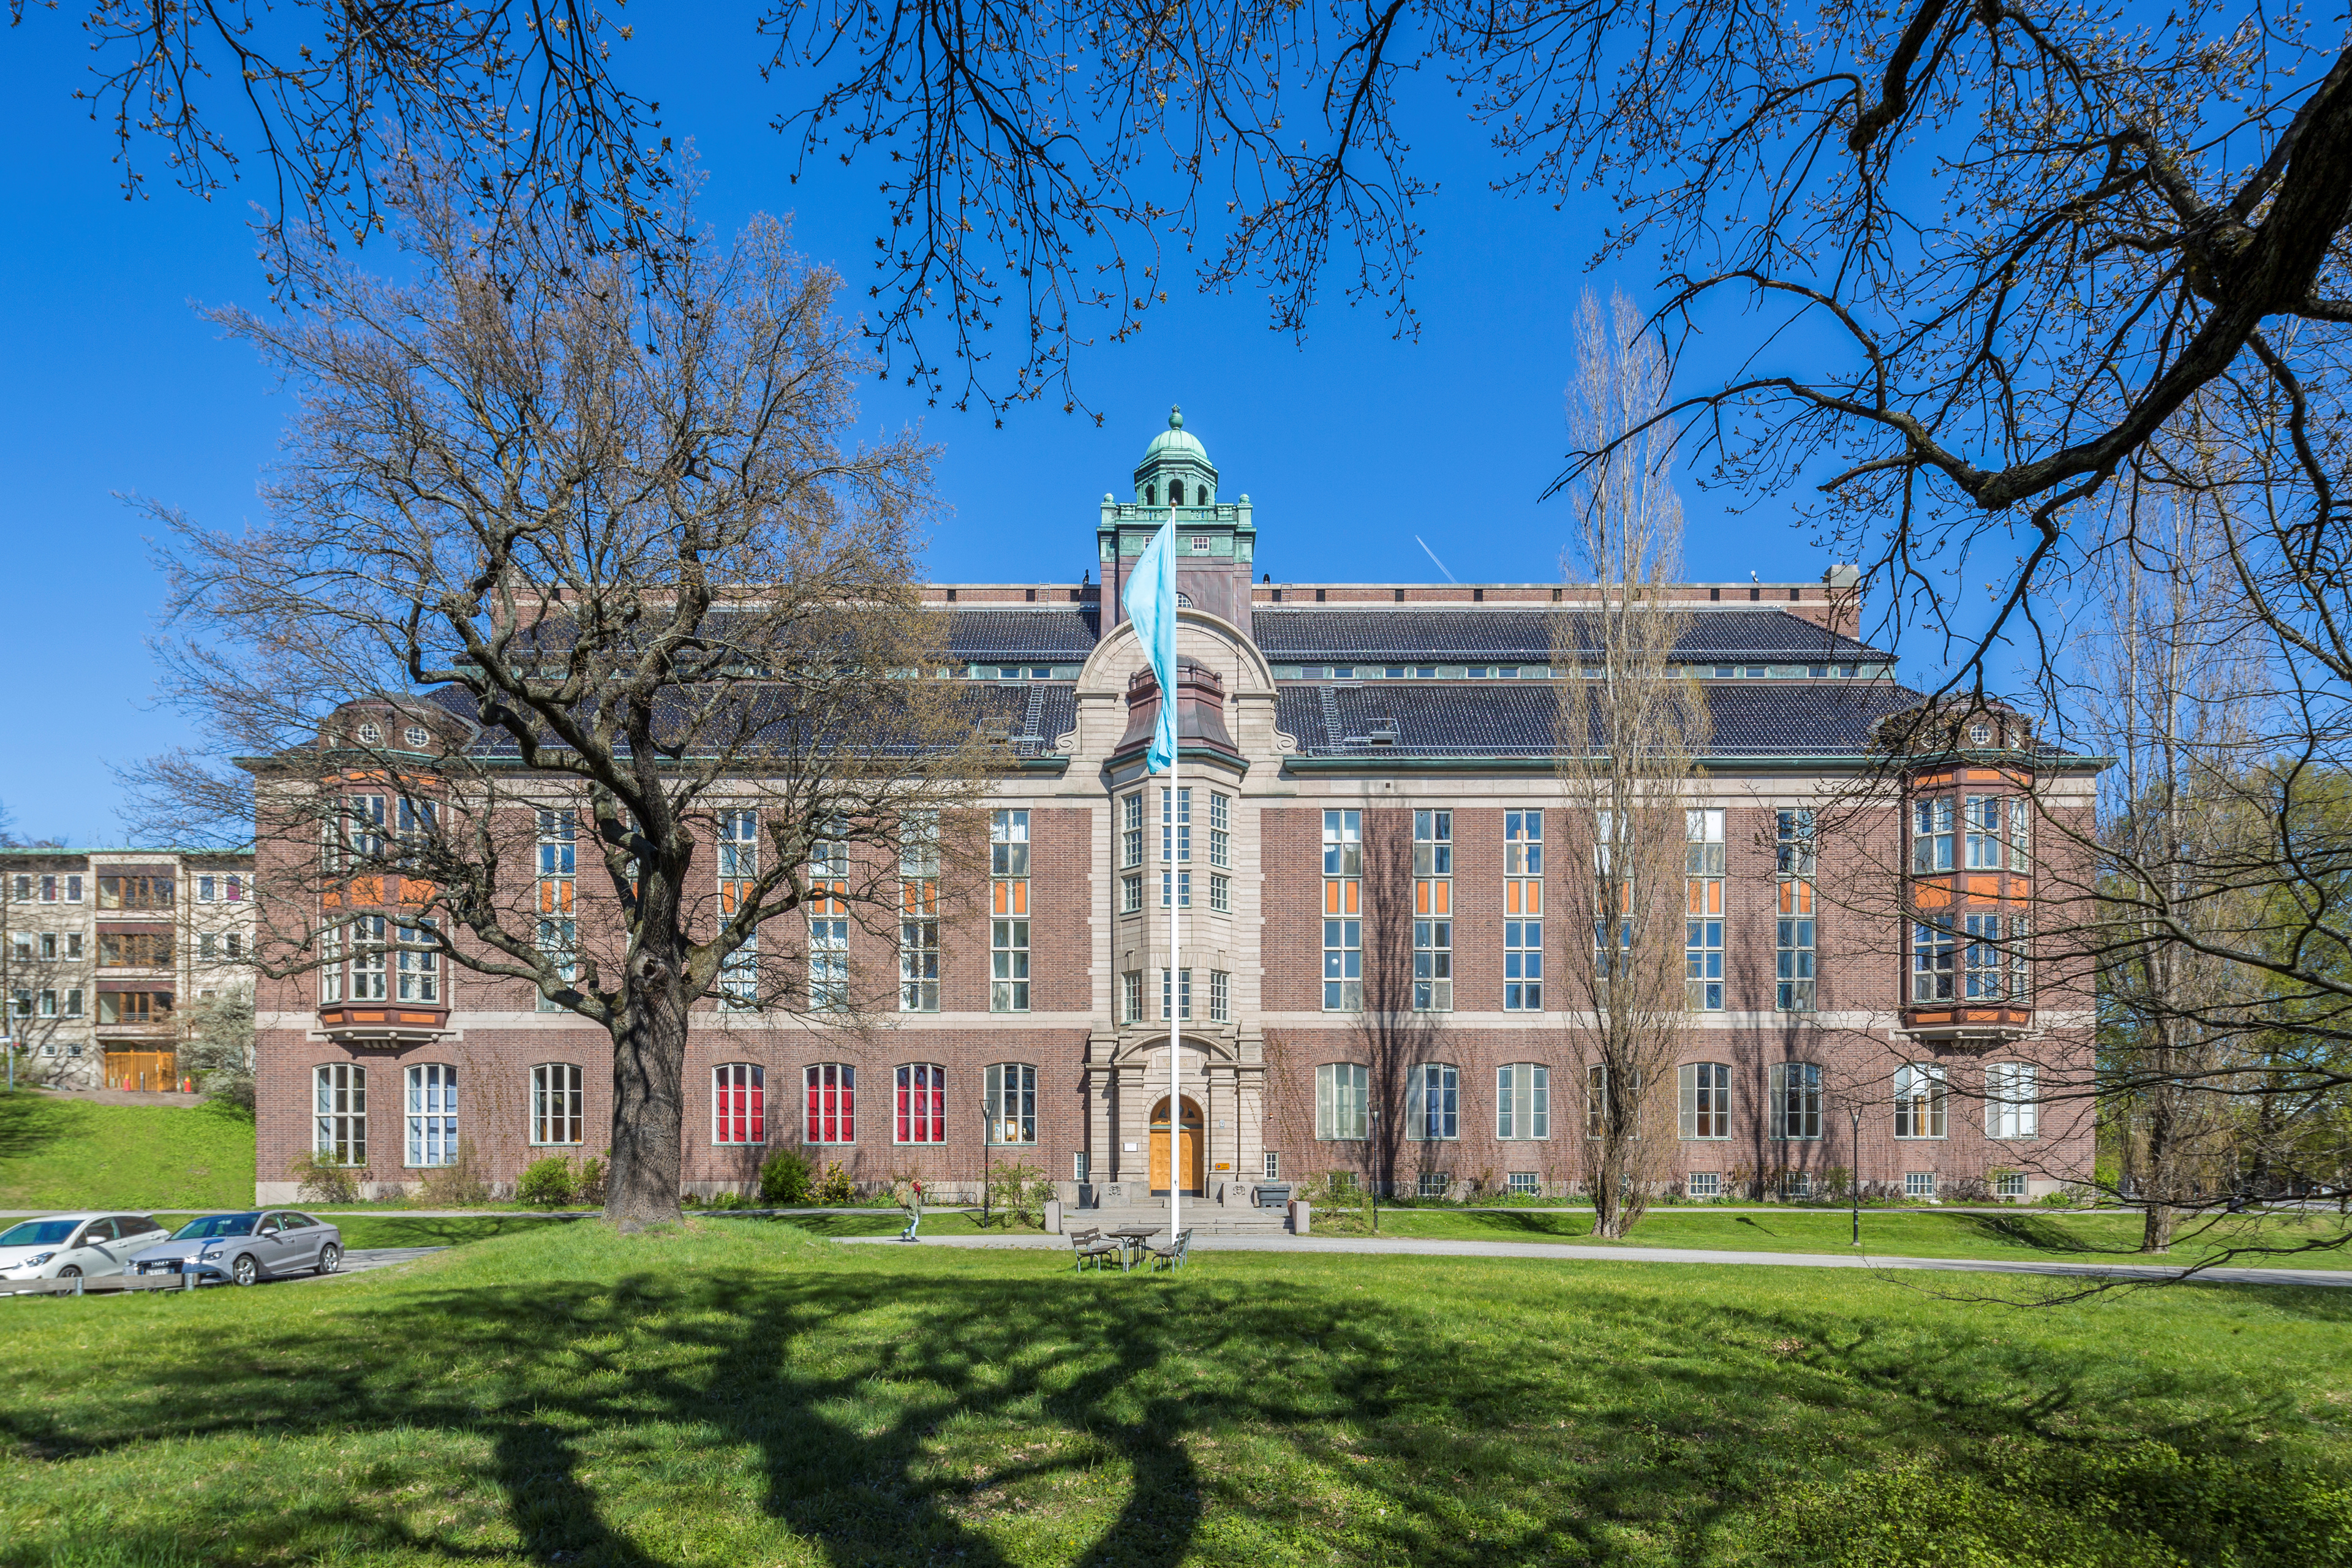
{"x": 1132, "y": 1240}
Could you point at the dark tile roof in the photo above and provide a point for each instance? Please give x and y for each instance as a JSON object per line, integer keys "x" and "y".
{"x": 1063, "y": 632}
{"x": 1473, "y": 720}
{"x": 1031, "y": 712}
{"x": 1449, "y": 635}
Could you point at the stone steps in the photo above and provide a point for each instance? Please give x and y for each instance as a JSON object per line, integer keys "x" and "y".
{"x": 1201, "y": 1217}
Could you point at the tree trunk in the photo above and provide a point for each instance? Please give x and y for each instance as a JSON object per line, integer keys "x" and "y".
{"x": 2158, "y": 1181}
{"x": 649, "y": 1098}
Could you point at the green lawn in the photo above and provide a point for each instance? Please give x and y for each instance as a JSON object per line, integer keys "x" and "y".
{"x": 75, "y": 1153}
{"x": 1901, "y": 1233}
{"x": 741, "y": 1392}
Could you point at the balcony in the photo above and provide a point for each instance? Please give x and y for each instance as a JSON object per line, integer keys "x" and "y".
{"x": 382, "y": 1026}
{"x": 1966, "y": 1026}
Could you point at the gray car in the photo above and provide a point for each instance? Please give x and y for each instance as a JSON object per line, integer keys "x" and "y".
{"x": 258, "y": 1243}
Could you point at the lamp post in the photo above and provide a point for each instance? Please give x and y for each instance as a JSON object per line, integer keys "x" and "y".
{"x": 987, "y": 1137}
{"x": 1853, "y": 1183}
{"x": 1373, "y": 1175}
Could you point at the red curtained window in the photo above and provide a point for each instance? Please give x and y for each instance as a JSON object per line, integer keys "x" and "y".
{"x": 922, "y": 1103}
{"x": 739, "y": 1109}
{"x": 832, "y": 1103}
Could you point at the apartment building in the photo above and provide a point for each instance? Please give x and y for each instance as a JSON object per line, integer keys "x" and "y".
{"x": 100, "y": 950}
{"x": 1377, "y": 976}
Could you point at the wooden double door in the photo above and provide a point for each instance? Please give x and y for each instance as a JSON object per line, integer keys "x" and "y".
{"x": 1190, "y": 1155}
{"x": 142, "y": 1070}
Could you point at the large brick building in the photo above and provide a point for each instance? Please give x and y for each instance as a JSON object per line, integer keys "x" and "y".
{"x": 1372, "y": 924}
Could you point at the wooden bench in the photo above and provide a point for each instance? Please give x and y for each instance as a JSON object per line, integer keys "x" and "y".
{"x": 1172, "y": 1254}
{"x": 1091, "y": 1244}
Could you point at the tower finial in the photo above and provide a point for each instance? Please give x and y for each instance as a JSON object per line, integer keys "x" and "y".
{"x": 1175, "y": 417}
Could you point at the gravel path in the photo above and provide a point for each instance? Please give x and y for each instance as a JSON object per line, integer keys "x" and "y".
{"x": 1555, "y": 1251}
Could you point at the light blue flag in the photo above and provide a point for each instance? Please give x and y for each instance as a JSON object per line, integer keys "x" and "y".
{"x": 1150, "y": 600}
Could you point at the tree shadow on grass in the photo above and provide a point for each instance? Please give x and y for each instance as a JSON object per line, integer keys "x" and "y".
{"x": 935, "y": 1408}
{"x": 32, "y": 1122}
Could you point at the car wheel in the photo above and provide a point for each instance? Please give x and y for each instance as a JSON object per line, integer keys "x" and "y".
{"x": 245, "y": 1270}
{"x": 331, "y": 1259}
{"x": 69, "y": 1272}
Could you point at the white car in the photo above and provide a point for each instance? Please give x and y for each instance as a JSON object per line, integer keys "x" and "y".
{"x": 89, "y": 1245}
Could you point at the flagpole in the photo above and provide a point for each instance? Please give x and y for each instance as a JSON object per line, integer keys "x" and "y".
{"x": 1178, "y": 844}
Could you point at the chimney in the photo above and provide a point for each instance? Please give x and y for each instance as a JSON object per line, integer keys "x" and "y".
{"x": 1844, "y": 581}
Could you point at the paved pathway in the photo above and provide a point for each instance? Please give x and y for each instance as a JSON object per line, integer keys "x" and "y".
{"x": 1553, "y": 1251}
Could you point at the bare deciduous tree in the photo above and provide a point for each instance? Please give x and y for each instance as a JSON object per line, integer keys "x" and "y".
{"x": 1632, "y": 728}
{"x": 561, "y": 567}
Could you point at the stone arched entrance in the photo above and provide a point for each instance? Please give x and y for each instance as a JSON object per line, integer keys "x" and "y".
{"x": 1188, "y": 1149}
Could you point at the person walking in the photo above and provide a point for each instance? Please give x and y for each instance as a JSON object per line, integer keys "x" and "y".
{"x": 911, "y": 1198}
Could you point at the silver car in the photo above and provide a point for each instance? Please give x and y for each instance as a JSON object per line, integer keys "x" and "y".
{"x": 72, "y": 1246}
{"x": 243, "y": 1247}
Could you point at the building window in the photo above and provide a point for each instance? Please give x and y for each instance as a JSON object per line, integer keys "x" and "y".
{"x": 339, "y": 1103}
{"x": 2021, "y": 978}
{"x": 1596, "y": 1083}
{"x": 432, "y": 1114}
{"x": 1706, "y": 1099}
{"x": 1078, "y": 1156}
{"x": 1343, "y": 926}
{"x": 738, "y": 1103}
{"x": 2010, "y": 1110}
{"x": 1703, "y": 1184}
{"x": 558, "y": 933}
{"x": 556, "y": 1103}
{"x": 739, "y": 975}
{"x": 1919, "y": 1102}
{"x": 134, "y": 1009}
{"x": 1131, "y": 829}
{"x": 1522, "y": 1101}
{"x": 922, "y": 1106}
{"x": 1181, "y": 998}
{"x": 1342, "y": 1095}
{"x": 1919, "y": 1183}
{"x": 1131, "y": 892}
{"x": 1523, "y": 965}
{"x": 121, "y": 950}
{"x": 2009, "y": 1184}
{"x": 1432, "y": 966}
{"x": 1008, "y": 845}
{"x": 371, "y": 971}
{"x": 918, "y": 914}
{"x": 1981, "y": 842}
{"x": 1931, "y": 958}
{"x": 829, "y": 961}
{"x": 73, "y": 1007}
{"x": 1931, "y": 834}
{"x": 1221, "y": 997}
{"x": 48, "y": 1008}
{"x": 1176, "y": 825}
{"x": 2020, "y": 816}
{"x": 831, "y": 1110}
{"x": 1524, "y": 1184}
{"x": 1432, "y": 1185}
{"x": 1131, "y": 996}
{"x": 1008, "y": 942}
{"x": 1433, "y": 1103}
{"x": 1220, "y": 829}
{"x": 1703, "y": 945}
{"x": 1796, "y": 1111}
{"x": 1012, "y": 1091}
{"x": 739, "y": 860}
{"x": 1792, "y": 854}
{"x": 1702, "y": 842}
{"x": 1179, "y": 885}
{"x": 1798, "y": 1184}
{"x": 1985, "y": 961}
{"x": 1221, "y": 893}
{"x": 1343, "y": 964}
{"x": 1793, "y": 937}
{"x": 1273, "y": 1166}
{"x": 420, "y": 961}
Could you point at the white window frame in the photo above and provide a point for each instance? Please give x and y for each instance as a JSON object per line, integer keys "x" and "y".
{"x": 744, "y": 1123}
{"x": 1796, "y": 1106}
{"x": 1433, "y": 1103}
{"x": 430, "y": 1103}
{"x": 559, "y": 1105}
{"x": 1010, "y": 1088}
{"x": 1342, "y": 1099}
{"x": 1523, "y": 1103}
{"x": 833, "y": 1126}
{"x": 914, "y": 1122}
{"x": 1702, "y": 1184}
{"x": 1703, "y": 1098}
{"x": 2012, "y": 1108}
{"x": 338, "y": 1112}
{"x": 1920, "y": 1096}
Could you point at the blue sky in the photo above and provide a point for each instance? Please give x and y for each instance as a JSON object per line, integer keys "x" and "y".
{"x": 1349, "y": 443}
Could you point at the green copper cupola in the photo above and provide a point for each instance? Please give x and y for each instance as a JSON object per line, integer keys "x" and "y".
{"x": 1215, "y": 543}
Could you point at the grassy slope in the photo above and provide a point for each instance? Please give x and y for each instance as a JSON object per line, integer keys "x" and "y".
{"x": 1909, "y": 1233}
{"x": 743, "y": 1393}
{"x": 73, "y": 1153}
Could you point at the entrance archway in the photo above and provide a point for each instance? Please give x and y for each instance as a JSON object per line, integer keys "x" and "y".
{"x": 1188, "y": 1153}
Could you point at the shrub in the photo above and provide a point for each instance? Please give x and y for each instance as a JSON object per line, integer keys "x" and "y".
{"x": 1017, "y": 1193}
{"x": 836, "y": 1187}
{"x": 784, "y": 1179}
{"x": 325, "y": 1180}
{"x": 461, "y": 1184}
{"x": 592, "y": 1181}
{"x": 549, "y": 1183}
